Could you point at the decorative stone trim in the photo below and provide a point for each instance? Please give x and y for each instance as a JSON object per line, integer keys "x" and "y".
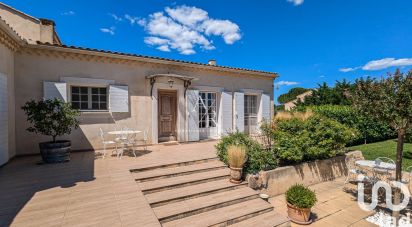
{"x": 7, "y": 41}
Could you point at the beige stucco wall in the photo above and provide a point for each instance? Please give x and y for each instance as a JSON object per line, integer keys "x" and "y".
{"x": 27, "y": 27}
{"x": 7, "y": 68}
{"x": 32, "y": 70}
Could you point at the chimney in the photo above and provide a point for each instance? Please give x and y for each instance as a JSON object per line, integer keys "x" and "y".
{"x": 212, "y": 62}
{"x": 46, "y": 30}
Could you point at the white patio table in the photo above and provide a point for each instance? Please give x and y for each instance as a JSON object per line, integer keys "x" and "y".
{"x": 378, "y": 171}
{"x": 123, "y": 132}
{"x": 373, "y": 164}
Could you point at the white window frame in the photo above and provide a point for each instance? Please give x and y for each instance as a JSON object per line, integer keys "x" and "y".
{"x": 214, "y": 104}
{"x": 247, "y": 119}
{"x": 89, "y": 98}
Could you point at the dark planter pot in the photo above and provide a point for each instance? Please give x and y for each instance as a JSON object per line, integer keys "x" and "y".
{"x": 55, "y": 152}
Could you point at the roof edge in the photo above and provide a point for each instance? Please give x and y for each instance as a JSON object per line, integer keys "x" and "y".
{"x": 144, "y": 58}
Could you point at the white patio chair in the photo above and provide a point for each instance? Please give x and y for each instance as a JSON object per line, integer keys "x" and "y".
{"x": 381, "y": 173}
{"x": 353, "y": 171}
{"x": 105, "y": 142}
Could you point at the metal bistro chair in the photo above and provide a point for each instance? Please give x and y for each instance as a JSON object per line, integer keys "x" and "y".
{"x": 106, "y": 142}
{"x": 354, "y": 174}
{"x": 382, "y": 173}
{"x": 131, "y": 141}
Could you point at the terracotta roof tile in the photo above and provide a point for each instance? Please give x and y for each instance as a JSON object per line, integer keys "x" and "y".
{"x": 156, "y": 58}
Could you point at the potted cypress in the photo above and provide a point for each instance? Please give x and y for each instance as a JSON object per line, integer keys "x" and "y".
{"x": 54, "y": 118}
{"x": 300, "y": 200}
{"x": 236, "y": 159}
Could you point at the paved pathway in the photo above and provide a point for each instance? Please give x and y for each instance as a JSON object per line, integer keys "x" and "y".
{"x": 334, "y": 207}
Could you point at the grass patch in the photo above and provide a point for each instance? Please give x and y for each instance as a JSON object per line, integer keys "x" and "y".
{"x": 385, "y": 149}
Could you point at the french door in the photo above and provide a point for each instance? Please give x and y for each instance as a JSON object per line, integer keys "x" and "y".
{"x": 207, "y": 115}
{"x": 251, "y": 113}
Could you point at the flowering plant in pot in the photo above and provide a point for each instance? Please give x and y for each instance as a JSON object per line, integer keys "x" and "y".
{"x": 300, "y": 200}
{"x": 236, "y": 159}
{"x": 54, "y": 118}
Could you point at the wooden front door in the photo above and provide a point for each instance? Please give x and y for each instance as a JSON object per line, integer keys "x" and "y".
{"x": 167, "y": 115}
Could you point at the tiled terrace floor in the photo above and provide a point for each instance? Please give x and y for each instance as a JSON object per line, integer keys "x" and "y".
{"x": 91, "y": 191}
{"x": 87, "y": 191}
{"x": 334, "y": 207}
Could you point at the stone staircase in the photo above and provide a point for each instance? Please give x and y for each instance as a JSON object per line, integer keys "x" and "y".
{"x": 198, "y": 193}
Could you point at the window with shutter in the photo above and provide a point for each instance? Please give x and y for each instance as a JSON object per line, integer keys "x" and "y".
{"x": 119, "y": 98}
{"x": 52, "y": 90}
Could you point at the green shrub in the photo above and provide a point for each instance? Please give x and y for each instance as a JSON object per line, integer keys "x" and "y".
{"x": 301, "y": 196}
{"x": 318, "y": 137}
{"x": 370, "y": 130}
{"x": 257, "y": 158}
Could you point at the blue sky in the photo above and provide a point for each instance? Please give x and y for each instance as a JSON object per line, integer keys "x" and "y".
{"x": 305, "y": 41}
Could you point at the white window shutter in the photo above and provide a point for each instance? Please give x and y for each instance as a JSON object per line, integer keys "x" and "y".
{"x": 266, "y": 107}
{"x": 53, "y": 90}
{"x": 240, "y": 111}
{"x": 227, "y": 113}
{"x": 193, "y": 114}
{"x": 119, "y": 98}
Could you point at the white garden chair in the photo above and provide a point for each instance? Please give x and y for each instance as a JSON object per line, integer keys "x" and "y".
{"x": 106, "y": 142}
{"x": 354, "y": 174}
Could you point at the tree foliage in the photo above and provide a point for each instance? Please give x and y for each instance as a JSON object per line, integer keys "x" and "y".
{"x": 292, "y": 94}
{"x": 51, "y": 117}
{"x": 325, "y": 95}
{"x": 389, "y": 100}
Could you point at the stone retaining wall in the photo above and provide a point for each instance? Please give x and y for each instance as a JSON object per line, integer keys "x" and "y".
{"x": 277, "y": 181}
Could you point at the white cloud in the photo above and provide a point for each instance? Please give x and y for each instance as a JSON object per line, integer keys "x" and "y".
{"x": 190, "y": 16}
{"x": 185, "y": 28}
{"x": 108, "y": 30}
{"x": 345, "y": 70}
{"x": 227, "y": 29}
{"x": 386, "y": 63}
{"x": 296, "y": 2}
{"x": 115, "y": 17}
{"x": 68, "y": 13}
{"x": 135, "y": 20}
{"x": 286, "y": 83}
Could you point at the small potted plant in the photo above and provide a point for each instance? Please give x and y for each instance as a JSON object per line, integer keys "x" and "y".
{"x": 52, "y": 118}
{"x": 236, "y": 159}
{"x": 300, "y": 200}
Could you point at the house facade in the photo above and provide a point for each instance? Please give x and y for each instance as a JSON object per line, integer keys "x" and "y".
{"x": 171, "y": 100}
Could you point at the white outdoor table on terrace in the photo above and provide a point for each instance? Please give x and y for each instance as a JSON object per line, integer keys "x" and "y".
{"x": 372, "y": 164}
{"x": 119, "y": 132}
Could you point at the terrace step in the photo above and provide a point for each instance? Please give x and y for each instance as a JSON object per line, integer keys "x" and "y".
{"x": 176, "y": 164}
{"x": 226, "y": 215}
{"x": 269, "y": 219}
{"x": 168, "y": 172}
{"x": 192, "y": 191}
{"x": 183, "y": 181}
{"x": 198, "y": 205}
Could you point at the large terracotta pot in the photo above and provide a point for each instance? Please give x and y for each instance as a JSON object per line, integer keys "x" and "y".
{"x": 236, "y": 175}
{"x": 299, "y": 215}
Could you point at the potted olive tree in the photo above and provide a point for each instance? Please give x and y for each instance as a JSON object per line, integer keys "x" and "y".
{"x": 236, "y": 159}
{"x": 300, "y": 200}
{"x": 53, "y": 118}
